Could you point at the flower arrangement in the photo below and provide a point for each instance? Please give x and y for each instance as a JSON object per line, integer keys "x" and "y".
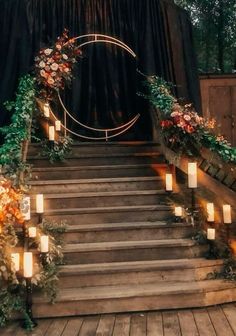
{"x": 182, "y": 128}
{"x": 53, "y": 66}
{"x": 9, "y": 204}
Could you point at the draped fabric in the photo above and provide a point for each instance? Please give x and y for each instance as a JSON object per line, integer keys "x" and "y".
{"x": 103, "y": 92}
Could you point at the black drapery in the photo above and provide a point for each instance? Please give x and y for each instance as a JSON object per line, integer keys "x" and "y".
{"x": 104, "y": 89}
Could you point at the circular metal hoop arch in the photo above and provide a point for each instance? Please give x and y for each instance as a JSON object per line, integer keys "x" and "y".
{"x": 97, "y": 38}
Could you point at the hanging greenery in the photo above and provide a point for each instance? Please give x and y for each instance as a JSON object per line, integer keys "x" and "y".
{"x": 182, "y": 128}
{"x": 18, "y": 132}
{"x": 59, "y": 149}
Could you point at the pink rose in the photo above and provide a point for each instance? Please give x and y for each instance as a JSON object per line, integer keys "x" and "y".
{"x": 43, "y": 73}
{"x": 66, "y": 69}
{"x": 187, "y": 117}
{"x": 58, "y": 46}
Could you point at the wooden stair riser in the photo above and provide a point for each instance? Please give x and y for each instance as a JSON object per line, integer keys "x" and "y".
{"x": 131, "y": 304}
{"x": 107, "y": 216}
{"x": 103, "y": 160}
{"x": 60, "y": 173}
{"x": 134, "y": 254}
{"x": 102, "y": 201}
{"x": 128, "y": 234}
{"x": 95, "y": 186}
{"x": 135, "y": 277}
{"x": 106, "y": 149}
{"x": 89, "y": 173}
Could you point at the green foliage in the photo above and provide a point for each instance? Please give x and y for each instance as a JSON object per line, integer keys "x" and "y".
{"x": 214, "y": 37}
{"x": 18, "y": 131}
{"x": 58, "y": 150}
{"x": 183, "y": 140}
{"x": 158, "y": 93}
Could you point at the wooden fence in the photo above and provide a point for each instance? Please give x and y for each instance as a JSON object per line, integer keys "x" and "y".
{"x": 219, "y": 101}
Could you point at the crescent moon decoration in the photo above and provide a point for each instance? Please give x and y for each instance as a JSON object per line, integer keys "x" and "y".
{"x": 66, "y": 43}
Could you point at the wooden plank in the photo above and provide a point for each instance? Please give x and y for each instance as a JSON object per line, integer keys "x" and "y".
{"x": 105, "y": 325}
{"x": 10, "y": 329}
{"x": 138, "y": 325}
{"x": 203, "y": 322}
{"x": 40, "y": 330}
{"x": 122, "y": 325}
{"x": 56, "y": 327}
{"x": 220, "y": 322}
{"x": 171, "y": 324}
{"x": 187, "y": 323}
{"x": 230, "y": 313}
{"x": 89, "y": 326}
{"x": 154, "y": 324}
{"x": 73, "y": 327}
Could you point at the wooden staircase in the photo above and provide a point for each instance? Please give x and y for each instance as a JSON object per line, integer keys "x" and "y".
{"x": 121, "y": 253}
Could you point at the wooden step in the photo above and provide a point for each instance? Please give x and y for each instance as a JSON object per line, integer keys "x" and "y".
{"x": 107, "y": 214}
{"x": 126, "y": 231}
{"x": 127, "y": 298}
{"x": 132, "y": 251}
{"x": 102, "y": 159}
{"x": 102, "y": 199}
{"x": 97, "y": 184}
{"x": 95, "y": 171}
{"x": 104, "y": 148}
{"x": 137, "y": 272}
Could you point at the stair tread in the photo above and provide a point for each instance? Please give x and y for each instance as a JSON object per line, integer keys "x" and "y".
{"x": 98, "y": 180}
{"x": 123, "y": 225}
{"x": 109, "y": 167}
{"x": 101, "y": 155}
{"x": 122, "y": 245}
{"x": 104, "y": 194}
{"x": 131, "y": 291}
{"x": 147, "y": 265}
{"x": 106, "y": 209}
{"x": 108, "y": 144}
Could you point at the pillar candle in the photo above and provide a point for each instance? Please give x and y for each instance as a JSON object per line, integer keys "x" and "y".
{"x": 210, "y": 212}
{"x": 211, "y": 234}
{"x": 192, "y": 175}
{"x": 28, "y": 264}
{"x": 51, "y": 131}
{"x": 16, "y": 261}
{"x": 57, "y": 125}
{"x": 39, "y": 203}
{"x": 46, "y": 110}
{"x": 227, "y": 214}
{"x": 25, "y": 205}
{"x": 169, "y": 182}
{"x": 44, "y": 244}
{"x": 178, "y": 211}
{"x": 32, "y": 232}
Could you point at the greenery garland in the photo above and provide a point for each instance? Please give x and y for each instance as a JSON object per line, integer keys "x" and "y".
{"x": 183, "y": 129}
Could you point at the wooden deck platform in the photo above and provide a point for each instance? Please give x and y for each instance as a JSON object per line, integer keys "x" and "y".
{"x": 212, "y": 321}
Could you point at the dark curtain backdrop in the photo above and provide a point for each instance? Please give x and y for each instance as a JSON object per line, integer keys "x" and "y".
{"x": 104, "y": 89}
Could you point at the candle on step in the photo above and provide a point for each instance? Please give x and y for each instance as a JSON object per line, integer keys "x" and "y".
{"x": 39, "y": 204}
{"x": 46, "y": 110}
{"x": 57, "y": 125}
{"x": 192, "y": 175}
{"x": 210, "y": 212}
{"x": 32, "y": 232}
{"x": 211, "y": 234}
{"x": 44, "y": 244}
{"x": 169, "y": 182}
{"x": 178, "y": 211}
{"x": 16, "y": 261}
{"x": 227, "y": 214}
{"x": 28, "y": 264}
{"x": 51, "y": 133}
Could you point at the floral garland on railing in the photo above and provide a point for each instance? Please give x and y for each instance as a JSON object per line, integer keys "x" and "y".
{"x": 182, "y": 128}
